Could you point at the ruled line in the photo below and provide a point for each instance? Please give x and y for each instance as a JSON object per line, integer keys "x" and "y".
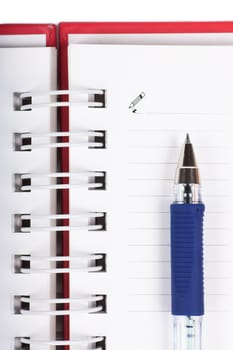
{"x": 148, "y": 212}
{"x": 169, "y": 311}
{"x": 169, "y": 278}
{"x": 169, "y": 294}
{"x": 170, "y": 196}
{"x": 168, "y": 228}
{"x": 142, "y": 311}
{"x": 168, "y": 261}
{"x": 168, "y": 245}
{"x": 152, "y": 195}
{"x": 176, "y": 147}
{"x": 168, "y": 212}
{"x": 184, "y": 114}
{"x": 175, "y": 163}
{"x": 172, "y": 179}
{"x": 151, "y": 179}
{"x": 178, "y": 130}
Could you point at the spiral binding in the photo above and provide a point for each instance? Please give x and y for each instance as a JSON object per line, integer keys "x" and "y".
{"x": 84, "y": 263}
{"x": 28, "y": 141}
{"x": 85, "y": 342}
{"x": 82, "y": 97}
{"x": 23, "y": 222}
{"x": 87, "y": 304}
{"x": 30, "y": 223}
{"x": 86, "y": 180}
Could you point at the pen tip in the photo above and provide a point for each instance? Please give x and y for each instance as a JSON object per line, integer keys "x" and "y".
{"x": 187, "y": 139}
{"x": 187, "y": 170}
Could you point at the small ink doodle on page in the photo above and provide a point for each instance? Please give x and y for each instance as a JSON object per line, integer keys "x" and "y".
{"x": 136, "y": 101}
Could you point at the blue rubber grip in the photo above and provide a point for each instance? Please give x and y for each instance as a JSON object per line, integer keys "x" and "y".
{"x": 187, "y": 259}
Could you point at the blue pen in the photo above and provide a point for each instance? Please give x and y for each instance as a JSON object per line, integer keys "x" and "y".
{"x": 187, "y": 253}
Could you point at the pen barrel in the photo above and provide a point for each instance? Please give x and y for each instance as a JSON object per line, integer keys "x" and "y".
{"x": 187, "y": 332}
{"x": 187, "y": 259}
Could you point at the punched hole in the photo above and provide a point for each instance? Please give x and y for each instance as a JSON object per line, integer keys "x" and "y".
{"x": 20, "y": 264}
{"x": 100, "y": 221}
{"x": 98, "y": 98}
{"x": 18, "y": 142}
{"x": 19, "y": 183}
{"x": 18, "y": 101}
{"x": 101, "y": 263}
{"x": 98, "y": 139}
{"x": 20, "y": 305}
{"x": 102, "y": 303}
{"x": 18, "y": 345}
{"x": 98, "y": 180}
{"x": 20, "y": 223}
{"x": 101, "y": 345}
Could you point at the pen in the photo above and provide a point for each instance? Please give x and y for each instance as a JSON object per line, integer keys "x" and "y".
{"x": 187, "y": 253}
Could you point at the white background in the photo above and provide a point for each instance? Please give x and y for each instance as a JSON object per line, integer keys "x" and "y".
{"x": 54, "y": 11}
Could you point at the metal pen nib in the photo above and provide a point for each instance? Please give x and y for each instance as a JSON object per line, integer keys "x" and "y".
{"x": 187, "y": 170}
{"x": 187, "y": 179}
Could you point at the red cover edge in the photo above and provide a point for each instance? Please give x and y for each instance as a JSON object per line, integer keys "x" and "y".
{"x": 48, "y": 29}
{"x": 66, "y": 28}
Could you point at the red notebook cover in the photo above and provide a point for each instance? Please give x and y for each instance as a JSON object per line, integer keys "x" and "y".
{"x": 111, "y": 28}
{"x": 29, "y": 29}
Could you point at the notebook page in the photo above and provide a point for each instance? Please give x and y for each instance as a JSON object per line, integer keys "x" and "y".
{"x": 187, "y": 89}
{"x": 18, "y": 40}
{"x": 25, "y": 70}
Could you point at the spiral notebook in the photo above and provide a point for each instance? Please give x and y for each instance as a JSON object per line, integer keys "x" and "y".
{"x": 87, "y": 181}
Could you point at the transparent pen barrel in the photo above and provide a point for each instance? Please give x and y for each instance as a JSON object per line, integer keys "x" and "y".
{"x": 187, "y": 332}
{"x": 192, "y": 196}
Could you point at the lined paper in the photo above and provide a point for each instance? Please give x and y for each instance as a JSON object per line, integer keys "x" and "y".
{"x": 188, "y": 89}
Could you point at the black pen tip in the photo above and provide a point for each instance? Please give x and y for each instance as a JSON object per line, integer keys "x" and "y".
{"x": 187, "y": 140}
{"x": 187, "y": 170}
